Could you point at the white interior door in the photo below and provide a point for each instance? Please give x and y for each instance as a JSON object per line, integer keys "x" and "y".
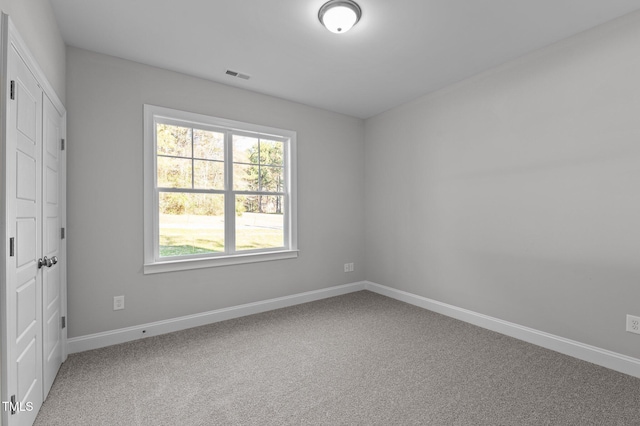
{"x": 33, "y": 268}
{"x": 24, "y": 211}
{"x": 51, "y": 242}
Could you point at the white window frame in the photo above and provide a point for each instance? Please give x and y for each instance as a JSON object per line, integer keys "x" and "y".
{"x": 153, "y": 263}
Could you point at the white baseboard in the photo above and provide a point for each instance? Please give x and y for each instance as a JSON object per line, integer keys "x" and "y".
{"x": 615, "y": 361}
{"x": 122, "y": 335}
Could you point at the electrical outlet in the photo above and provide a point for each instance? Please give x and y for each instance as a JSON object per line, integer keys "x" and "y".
{"x": 118, "y": 303}
{"x": 348, "y": 267}
{"x": 633, "y": 324}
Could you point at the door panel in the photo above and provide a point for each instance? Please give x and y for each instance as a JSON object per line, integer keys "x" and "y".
{"x": 52, "y": 307}
{"x": 27, "y": 365}
{"x": 26, "y": 241}
{"x": 24, "y": 281}
{"x": 53, "y": 233}
{"x": 51, "y": 184}
{"x": 26, "y": 185}
{"x": 28, "y": 107}
{"x": 26, "y": 308}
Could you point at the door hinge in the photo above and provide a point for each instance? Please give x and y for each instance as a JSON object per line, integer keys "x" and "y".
{"x": 13, "y": 89}
{"x": 12, "y": 243}
{"x": 13, "y": 404}
{"x": 64, "y": 322}
{"x": 62, "y": 233}
{"x": 62, "y": 144}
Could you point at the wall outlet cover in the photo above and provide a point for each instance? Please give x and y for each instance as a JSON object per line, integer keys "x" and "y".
{"x": 118, "y": 303}
{"x": 633, "y": 324}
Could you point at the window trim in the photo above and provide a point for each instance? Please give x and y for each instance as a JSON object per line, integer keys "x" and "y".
{"x": 152, "y": 262}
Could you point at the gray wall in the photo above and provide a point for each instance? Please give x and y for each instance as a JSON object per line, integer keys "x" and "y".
{"x": 516, "y": 193}
{"x": 37, "y": 25}
{"x": 105, "y": 97}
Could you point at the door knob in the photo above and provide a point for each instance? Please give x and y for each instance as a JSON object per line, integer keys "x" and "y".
{"x": 45, "y": 261}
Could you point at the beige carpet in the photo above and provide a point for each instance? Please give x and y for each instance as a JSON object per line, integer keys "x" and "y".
{"x": 354, "y": 359}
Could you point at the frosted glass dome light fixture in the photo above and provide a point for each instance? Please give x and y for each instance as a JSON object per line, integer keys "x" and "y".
{"x": 338, "y": 16}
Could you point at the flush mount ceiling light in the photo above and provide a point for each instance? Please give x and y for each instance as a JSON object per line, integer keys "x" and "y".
{"x": 338, "y": 16}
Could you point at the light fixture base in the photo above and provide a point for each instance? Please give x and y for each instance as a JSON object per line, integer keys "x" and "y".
{"x": 339, "y": 16}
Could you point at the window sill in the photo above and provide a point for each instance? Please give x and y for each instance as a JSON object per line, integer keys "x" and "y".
{"x": 237, "y": 259}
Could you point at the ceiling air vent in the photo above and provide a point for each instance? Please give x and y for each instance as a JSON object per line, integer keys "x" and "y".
{"x": 238, "y": 74}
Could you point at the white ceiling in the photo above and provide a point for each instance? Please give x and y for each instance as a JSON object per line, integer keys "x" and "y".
{"x": 399, "y": 50}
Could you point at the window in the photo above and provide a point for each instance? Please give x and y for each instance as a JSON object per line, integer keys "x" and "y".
{"x": 217, "y": 192}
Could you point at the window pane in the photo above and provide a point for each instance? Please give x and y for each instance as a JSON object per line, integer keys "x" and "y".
{"x": 245, "y": 178}
{"x": 271, "y": 152}
{"x": 191, "y": 223}
{"x": 174, "y": 172}
{"x": 208, "y": 174}
{"x": 173, "y": 140}
{"x": 259, "y": 222}
{"x": 271, "y": 179}
{"x": 245, "y": 149}
{"x": 208, "y": 145}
